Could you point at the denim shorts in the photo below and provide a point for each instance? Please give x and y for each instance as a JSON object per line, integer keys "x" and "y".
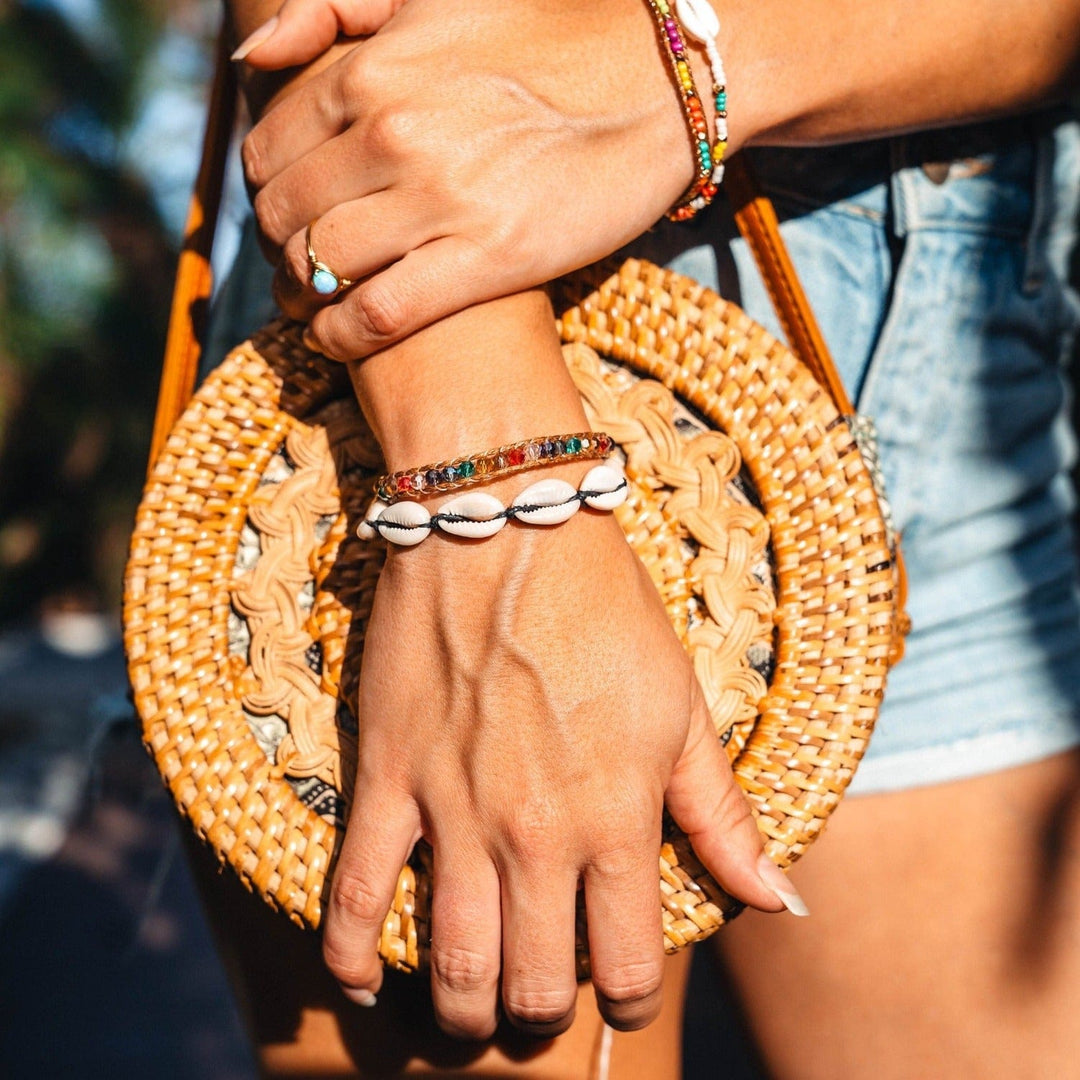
{"x": 937, "y": 265}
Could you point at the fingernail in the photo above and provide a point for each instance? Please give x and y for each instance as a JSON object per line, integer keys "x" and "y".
{"x": 359, "y": 996}
{"x": 308, "y": 338}
{"x": 255, "y": 39}
{"x": 776, "y": 881}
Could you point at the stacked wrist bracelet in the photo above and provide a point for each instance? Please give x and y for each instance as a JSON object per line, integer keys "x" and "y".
{"x": 491, "y": 465}
{"x": 699, "y": 21}
{"x": 478, "y": 515}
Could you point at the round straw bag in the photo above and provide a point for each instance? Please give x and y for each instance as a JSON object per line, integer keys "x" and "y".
{"x": 247, "y": 589}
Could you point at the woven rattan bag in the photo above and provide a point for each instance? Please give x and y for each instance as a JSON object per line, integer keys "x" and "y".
{"x": 751, "y": 505}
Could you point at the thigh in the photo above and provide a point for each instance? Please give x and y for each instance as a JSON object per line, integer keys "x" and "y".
{"x": 944, "y": 937}
{"x": 303, "y": 1026}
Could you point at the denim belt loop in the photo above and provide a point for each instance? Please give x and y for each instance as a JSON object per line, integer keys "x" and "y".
{"x": 903, "y": 187}
{"x": 1035, "y": 246}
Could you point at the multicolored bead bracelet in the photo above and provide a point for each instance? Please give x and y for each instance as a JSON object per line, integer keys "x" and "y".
{"x": 478, "y": 515}
{"x": 698, "y": 18}
{"x": 492, "y": 465}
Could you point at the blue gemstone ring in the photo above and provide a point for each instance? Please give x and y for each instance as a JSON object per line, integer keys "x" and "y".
{"x": 324, "y": 281}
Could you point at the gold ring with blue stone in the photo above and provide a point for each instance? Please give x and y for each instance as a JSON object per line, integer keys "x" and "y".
{"x": 324, "y": 281}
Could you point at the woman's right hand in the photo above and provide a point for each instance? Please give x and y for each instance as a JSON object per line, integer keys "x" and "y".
{"x": 526, "y": 707}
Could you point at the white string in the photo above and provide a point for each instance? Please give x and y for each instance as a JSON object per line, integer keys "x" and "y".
{"x": 603, "y": 1056}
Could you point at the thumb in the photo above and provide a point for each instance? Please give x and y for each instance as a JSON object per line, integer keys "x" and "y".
{"x": 304, "y": 29}
{"x": 708, "y": 805}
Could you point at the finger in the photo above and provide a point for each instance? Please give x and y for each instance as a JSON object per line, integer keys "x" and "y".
{"x": 435, "y": 280}
{"x": 380, "y": 835}
{"x": 539, "y": 986}
{"x": 626, "y": 952}
{"x": 303, "y": 30}
{"x": 347, "y": 240}
{"x": 466, "y": 942}
{"x": 337, "y": 172}
{"x": 309, "y": 116}
{"x": 710, "y": 808}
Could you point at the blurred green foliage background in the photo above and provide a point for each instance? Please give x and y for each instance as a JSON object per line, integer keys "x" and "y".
{"x": 100, "y": 119}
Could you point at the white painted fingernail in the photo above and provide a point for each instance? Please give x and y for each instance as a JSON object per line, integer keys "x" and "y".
{"x": 359, "y": 996}
{"x": 255, "y": 39}
{"x": 776, "y": 881}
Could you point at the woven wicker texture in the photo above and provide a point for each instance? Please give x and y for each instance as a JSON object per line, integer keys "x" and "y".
{"x": 247, "y": 592}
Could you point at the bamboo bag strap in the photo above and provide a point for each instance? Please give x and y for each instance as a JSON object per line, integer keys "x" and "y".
{"x": 191, "y": 291}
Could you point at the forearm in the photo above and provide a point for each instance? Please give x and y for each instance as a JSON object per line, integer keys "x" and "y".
{"x": 490, "y": 375}
{"x": 824, "y": 71}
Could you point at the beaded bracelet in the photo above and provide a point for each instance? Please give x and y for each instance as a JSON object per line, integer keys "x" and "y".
{"x": 493, "y": 464}
{"x": 479, "y": 515}
{"x": 701, "y": 22}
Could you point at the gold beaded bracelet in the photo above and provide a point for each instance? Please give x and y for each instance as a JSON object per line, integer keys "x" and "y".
{"x": 492, "y": 464}
{"x": 708, "y": 160}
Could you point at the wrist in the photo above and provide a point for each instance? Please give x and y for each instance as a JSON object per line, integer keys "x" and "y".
{"x": 488, "y": 376}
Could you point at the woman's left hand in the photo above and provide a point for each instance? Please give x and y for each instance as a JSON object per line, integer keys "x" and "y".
{"x": 464, "y": 152}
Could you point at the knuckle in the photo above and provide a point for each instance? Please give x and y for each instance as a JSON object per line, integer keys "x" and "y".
{"x": 462, "y": 970}
{"x": 325, "y": 336}
{"x": 380, "y": 314}
{"x": 359, "y": 81}
{"x": 533, "y": 830}
{"x": 731, "y": 810}
{"x": 618, "y": 863}
{"x": 295, "y": 261}
{"x": 629, "y": 984}
{"x": 625, "y": 827}
{"x": 528, "y": 844}
{"x": 467, "y": 1025}
{"x": 268, "y": 213}
{"x": 343, "y": 963}
{"x": 396, "y": 132}
{"x": 549, "y": 1009}
{"x": 251, "y": 156}
{"x": 351, "y": 897}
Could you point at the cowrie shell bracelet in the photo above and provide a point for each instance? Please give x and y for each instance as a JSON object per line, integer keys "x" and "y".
{"x": 479, "y": 515}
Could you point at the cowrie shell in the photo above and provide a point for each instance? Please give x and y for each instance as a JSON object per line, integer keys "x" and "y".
{"x": 698, "y": 18}
{"x": 364, "y": 530}
{"x": 550, "y": 502}
{"x": 610, "y": 485}
{"x": 482, "y": 509}
{"x": 404, "y": 523}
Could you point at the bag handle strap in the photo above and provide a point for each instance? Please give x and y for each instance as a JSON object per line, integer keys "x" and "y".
{"x": 760, "y": 228}
{"x": 194, "y": 281}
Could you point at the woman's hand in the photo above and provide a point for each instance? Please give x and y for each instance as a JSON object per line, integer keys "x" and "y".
{"x": 465, "y": 152}
{"x": 526, "y": 707}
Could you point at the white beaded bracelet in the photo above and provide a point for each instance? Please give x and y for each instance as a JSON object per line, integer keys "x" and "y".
{"x": 700, "y": 21}
{"x": 478, "y": 515}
